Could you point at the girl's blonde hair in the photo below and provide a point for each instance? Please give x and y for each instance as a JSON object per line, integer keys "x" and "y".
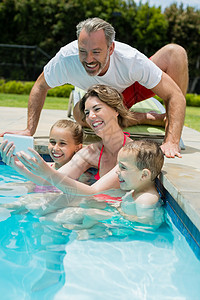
{"x": 112, "y": 98}
{"x": 75, "y": 129}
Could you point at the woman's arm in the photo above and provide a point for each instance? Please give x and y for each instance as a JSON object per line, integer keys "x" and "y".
{"x": 81, "y": 161}
{"x": 36, "y": 165}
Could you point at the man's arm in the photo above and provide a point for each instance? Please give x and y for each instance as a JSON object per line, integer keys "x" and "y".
{"x": 175, "y": 104}
{"x": 35, "y": 105}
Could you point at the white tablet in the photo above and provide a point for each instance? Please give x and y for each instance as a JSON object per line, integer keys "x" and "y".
{"x": 21, "y": 142}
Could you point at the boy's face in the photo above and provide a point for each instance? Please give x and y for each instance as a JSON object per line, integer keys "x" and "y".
{"x": 129, "y": 175}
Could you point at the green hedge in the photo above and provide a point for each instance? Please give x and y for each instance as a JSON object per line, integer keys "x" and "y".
{"x": 61, "y": 91}
{"x": 191, "y": 100}
{"x": 15, "y": 87}
{"x": 19, "y": 87}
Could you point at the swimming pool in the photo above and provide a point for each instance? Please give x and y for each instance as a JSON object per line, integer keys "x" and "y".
{"x": 45, "y": 261}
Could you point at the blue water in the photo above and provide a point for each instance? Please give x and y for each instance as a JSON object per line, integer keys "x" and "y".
{"x": 45, "y": 261}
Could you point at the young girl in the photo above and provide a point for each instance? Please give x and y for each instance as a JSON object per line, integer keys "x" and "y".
{"x": 65, "y": 139}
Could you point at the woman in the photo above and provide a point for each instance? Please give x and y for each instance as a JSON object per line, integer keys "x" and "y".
{"x": 102, "y": 108}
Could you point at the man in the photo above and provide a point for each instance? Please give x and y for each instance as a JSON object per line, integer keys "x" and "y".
{"x": 96, "y": 58}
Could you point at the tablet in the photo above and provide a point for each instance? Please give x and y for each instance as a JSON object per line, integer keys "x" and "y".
{"x": 21, "y": 142}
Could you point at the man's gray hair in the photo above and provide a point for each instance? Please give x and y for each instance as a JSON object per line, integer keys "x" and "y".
{"x": 95, "y": 24}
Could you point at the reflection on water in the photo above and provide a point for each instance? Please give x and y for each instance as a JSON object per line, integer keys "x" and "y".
{"x": 50, "y": 251}
{"x": 32, "y": 250}
{"x": 31, "y": 257}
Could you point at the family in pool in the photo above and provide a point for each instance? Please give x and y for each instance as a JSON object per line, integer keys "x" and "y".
{"x": 124, "y": 182}
{"x": 125, "y": 171}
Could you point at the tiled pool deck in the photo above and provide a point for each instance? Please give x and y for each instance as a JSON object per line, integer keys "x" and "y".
{"x": 180, "y": 177}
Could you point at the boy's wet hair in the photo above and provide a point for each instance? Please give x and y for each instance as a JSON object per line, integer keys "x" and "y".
{"x": 75, "y": 129}
{"x": 147, "y": 155}
{"x": 112, "y": 98}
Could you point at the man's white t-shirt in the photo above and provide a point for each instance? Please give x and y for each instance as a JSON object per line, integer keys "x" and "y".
{"x": 127, "y": 65}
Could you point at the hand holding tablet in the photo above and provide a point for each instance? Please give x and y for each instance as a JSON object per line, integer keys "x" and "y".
{"x": 21, "y": 142}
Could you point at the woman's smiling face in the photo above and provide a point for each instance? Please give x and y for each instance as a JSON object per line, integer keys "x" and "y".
{"x": 100, "y": 116}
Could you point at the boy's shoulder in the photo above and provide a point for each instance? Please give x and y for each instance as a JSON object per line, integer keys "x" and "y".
{"x": 147, "y": 198}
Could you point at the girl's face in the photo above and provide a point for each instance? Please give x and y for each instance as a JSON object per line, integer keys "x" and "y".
{"x": 61, "y": 146}
{"x": 100, "y": 116}
{"x": 128, "y": 174}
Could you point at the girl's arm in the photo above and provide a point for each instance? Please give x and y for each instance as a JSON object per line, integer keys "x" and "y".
{"x": 36, "y": 165}
{"x": 6, "y": 151}
{"x": 73, "y": 169}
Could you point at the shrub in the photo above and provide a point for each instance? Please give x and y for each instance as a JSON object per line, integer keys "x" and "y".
{"x": 24, "y": 87}
{"x": 19, "y": 87}
{"x": 61, "y": 91}
{"x": 191, "y": 100}
{"x": 15, "y": 87}
{"x": 2, "y": 81}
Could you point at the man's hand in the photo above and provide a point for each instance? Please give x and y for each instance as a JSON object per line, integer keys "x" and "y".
{"x": 171, "y": 149}
{"x": 175, "y": 104}
{"x": 20, "y": 132}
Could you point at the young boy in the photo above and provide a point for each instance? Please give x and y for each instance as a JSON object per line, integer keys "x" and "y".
{"x": 139, "y": 163}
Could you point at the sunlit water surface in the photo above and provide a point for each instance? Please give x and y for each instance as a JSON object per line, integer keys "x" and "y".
{"x": 45, "y": 261}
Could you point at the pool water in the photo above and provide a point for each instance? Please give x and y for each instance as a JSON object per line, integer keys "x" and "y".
{"x": 45, "y": 261}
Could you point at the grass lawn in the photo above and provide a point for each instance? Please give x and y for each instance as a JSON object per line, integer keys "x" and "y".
{"x": 192, "y": 118}
{"x": 13, "y": 100}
